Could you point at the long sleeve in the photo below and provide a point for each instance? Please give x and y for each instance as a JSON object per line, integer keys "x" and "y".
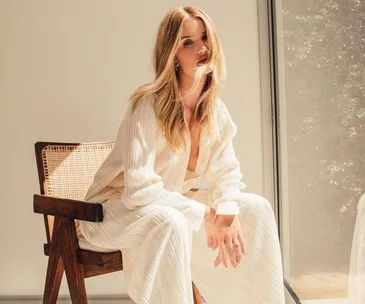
{"x": 224, "y": 175}
{"x": 142, "y": 184}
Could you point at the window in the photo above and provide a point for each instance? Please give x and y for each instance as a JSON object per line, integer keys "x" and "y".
{"x": 320, "y": 106}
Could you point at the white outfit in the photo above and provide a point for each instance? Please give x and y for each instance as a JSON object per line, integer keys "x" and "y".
{"x": 150, "y": 215}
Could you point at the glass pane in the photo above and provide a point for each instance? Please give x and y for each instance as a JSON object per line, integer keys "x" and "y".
{"x": 322, "y": 140}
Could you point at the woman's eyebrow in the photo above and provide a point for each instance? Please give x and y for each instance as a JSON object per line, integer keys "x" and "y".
{"x": 188, "y": 36}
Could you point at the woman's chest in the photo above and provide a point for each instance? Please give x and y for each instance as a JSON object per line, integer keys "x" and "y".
{"x": 194, "y": 133}
{"x": 172, "y": 166}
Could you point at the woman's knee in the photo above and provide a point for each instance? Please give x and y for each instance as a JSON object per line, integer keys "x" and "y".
{"x": 170, "y": 218}
{"x": 255, "y": 203}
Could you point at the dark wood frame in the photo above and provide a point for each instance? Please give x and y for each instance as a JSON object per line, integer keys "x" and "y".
{"x": 62, "y": 247}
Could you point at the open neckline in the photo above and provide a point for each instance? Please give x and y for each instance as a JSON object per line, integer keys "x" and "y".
{"x": 201, "y": 143}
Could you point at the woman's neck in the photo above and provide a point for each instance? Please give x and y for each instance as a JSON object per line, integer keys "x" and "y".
{"x": 190, "y": 99}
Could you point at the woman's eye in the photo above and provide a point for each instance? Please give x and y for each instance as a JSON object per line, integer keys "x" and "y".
{"x": 187, "y": 43}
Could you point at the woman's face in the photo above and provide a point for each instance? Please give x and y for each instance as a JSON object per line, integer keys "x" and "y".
{"x": 193, "y": 49}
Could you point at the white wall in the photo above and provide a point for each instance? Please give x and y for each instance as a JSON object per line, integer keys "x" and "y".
{"x": 66, "y": 71}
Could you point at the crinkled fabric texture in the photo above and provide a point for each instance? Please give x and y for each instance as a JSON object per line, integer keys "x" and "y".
{"x": 162, "y": 255}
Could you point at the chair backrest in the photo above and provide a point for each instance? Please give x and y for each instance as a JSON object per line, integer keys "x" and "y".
{"x": 67, "y": 170}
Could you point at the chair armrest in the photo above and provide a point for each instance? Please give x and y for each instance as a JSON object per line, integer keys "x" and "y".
{"x": 68, "y": 208}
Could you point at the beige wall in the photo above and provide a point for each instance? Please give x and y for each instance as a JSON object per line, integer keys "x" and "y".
{"x": 66, "y": 70}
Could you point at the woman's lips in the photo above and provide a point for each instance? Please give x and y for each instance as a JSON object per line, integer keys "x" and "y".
{"x": 204, "y": 60}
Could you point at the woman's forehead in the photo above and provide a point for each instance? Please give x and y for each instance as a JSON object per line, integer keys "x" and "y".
{"x": 192, "y": 27}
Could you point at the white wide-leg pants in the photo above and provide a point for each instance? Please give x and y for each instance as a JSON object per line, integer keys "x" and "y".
{"x": 162, "y": 255}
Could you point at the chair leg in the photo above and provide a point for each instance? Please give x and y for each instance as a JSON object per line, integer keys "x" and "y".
{"x": 53, "y": 279}
{"x": 73, "y": 269}
{"x": 54, "y": 269}
{"x": 197, "y": 295}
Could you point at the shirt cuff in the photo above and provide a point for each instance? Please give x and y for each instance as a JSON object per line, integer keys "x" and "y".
{"x": 196, "y": 214}
{"x": 228, "y": 208}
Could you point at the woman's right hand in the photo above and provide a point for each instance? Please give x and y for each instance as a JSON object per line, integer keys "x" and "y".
{"x": 228, "y": 238}
{"x": 209, "y": 226}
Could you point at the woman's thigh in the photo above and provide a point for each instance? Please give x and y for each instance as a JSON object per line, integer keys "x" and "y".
{"x": 124, "y": 228}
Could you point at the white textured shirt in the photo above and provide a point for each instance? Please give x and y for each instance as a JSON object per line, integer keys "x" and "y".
{"x": 142, "y": 169}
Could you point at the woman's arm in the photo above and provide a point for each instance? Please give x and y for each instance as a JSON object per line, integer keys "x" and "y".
{"x": 224, "y": 173}
{"x": 226, "y": 182}
{"x": 224, "y": 179}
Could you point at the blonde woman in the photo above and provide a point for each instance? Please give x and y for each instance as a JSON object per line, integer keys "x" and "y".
{"x": 175, "y": 131}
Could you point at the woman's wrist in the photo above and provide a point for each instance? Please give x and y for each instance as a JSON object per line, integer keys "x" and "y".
{"x": 225, "y": 219}
{"x": 209, "y": 212}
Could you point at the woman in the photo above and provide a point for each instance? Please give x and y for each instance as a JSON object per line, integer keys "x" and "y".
{"x": 175, "y": 131}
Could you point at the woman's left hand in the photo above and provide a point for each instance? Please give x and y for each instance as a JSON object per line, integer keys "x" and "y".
{"x": 228, "y": 238}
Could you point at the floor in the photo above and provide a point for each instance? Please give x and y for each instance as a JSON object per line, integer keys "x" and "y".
{"x": 326, "y": 301}
{"x": 128, "y": 301}
{"x": 109, "y": 301}
{"x": 320, "y": 286}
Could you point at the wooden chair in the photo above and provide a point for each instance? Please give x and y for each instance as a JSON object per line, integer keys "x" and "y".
{"x": 66, "y": 170}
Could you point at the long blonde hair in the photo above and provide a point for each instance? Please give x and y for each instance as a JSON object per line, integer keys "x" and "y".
{"x": 169, "y": 107}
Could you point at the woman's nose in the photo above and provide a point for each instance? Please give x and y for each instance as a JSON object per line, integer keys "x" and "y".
{"x": 203, "y": 49}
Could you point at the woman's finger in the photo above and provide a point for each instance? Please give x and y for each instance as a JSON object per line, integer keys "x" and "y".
{"x": 239, "y": 236}
{"x": 217, "y": 261}
{"x": 237, "y": 250}
{"x": 215, "y": 242}
{"x": 223, "y": 253}
{"x": 230, "y": 250}
{"x": 241, "y": 243}
{"x": 210, "y": 241}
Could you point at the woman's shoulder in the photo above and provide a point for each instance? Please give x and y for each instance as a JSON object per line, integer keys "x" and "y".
{"x": 142, "y": 109}
{"x": 220, "y": 104}
{"x": 226, "y": 126}
{"x": 140, "y": 118}
{"x": 221, "y": 112}
{"x": 144, "y": 103}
